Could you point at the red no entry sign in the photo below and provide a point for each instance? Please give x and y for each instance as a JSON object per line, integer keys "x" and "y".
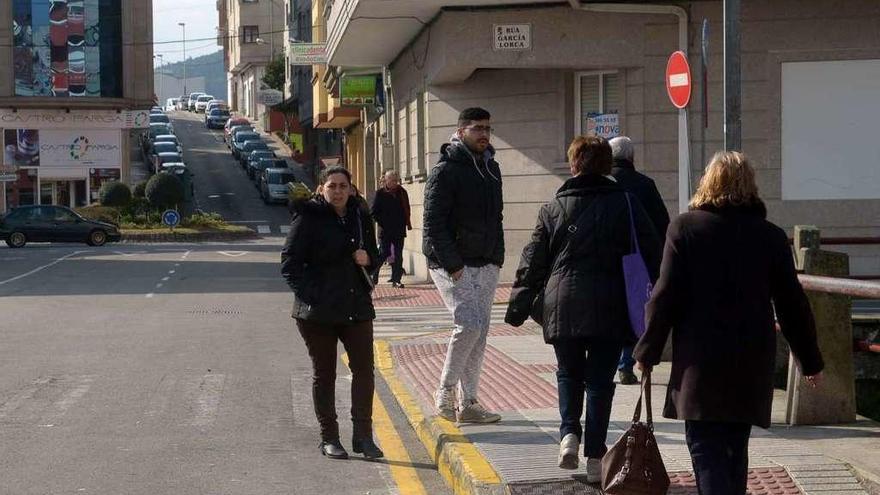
{"x": 678, "y": 79}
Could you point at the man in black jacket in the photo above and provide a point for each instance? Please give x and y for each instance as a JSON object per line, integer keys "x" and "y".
{"x": 391, "y": 212}
{"x": 463, "y": 240}
{"x": 644, "y": 189}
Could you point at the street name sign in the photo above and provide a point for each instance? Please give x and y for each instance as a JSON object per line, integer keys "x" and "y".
{"x": 678, "y": 80}
{"x": 512, "y": 36}
{"x": 307, "y": 53}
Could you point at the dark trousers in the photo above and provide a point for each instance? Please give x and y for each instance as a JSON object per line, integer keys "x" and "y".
{"x": 720, "y": 454}
{"x": 586, "y": 365}
{"x": 626, "y": 360}
{"x": 385, "y": 245}
{"x": 357, "y": 338}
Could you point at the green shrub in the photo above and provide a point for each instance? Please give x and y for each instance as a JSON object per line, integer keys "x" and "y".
{"x": 211, "y": 220}
{"x": 100, "y": 213}
{"x": 164, "y": 191}
{"x": 140, "y": 190}
{"x": 114, "y": 193}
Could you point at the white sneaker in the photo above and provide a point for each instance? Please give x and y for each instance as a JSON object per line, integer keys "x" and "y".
{"x": 476, "y": 413}
{"x": 594, "y": 470}
{"x": 444, "y": 399}
{"x": 568, "y": 451}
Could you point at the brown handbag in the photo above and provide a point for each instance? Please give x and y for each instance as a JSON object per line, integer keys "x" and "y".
{"x": 633, "y": 466}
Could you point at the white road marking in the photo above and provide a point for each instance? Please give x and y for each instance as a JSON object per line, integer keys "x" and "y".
{"x": 208, "y": 401}
{"x": 165, "y": 279}
{"x": 159, "y": 286}
{"x": 41, "y": 268}
{"x": 171, "y": 272}
{"x": 24, "y": 394}
{"x": 73, "y": 396}
{"x": 150, "y": 295}
{"x": 263, "y": 229}
{"x": 213, "y": 196}
{"x": 232, "y": 254}
{"x": 12, "y": 259}
{"x": 285, "y": 229}
{"x": 177, "y": 264}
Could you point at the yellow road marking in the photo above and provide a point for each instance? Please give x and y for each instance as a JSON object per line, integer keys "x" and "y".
{"x": 472, "y": 460}
{"x": 399, "y": 462}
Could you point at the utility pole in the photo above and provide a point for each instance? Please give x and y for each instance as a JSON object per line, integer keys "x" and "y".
{"x": 161, "y": 79}
{"x": 183, "y": 25}
{"x": 732, "y": 77}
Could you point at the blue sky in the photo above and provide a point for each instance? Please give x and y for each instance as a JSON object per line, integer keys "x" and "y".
{"x": 201, "y": 21}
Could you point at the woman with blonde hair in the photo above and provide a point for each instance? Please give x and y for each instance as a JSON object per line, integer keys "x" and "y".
{"x": 725, "y": 271}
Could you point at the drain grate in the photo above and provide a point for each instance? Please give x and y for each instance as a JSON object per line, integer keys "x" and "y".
{"x": 214, "y": 311}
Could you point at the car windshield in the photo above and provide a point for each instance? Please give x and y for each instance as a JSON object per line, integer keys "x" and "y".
{"x": 159, "y": 118}
{"x": 246, "y": 136}
{"x": 164, "y": 147}
{"x": 256, "y": 155}
{"x": 255, "y": 145}
{"x": 280, "y": 178}
{"x": 169, "y": 157}
{"x": 219, "y": 113}
{"x": 204, "y": 99}
{"x": 165, "y": 138}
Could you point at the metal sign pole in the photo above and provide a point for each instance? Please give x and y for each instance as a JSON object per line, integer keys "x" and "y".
{"x": 684, "y": 162}
{"x": 732, "y": 77}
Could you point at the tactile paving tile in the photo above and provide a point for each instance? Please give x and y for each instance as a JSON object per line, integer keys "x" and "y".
{"x": 762, "y": 481}
{"x": 422, "y": 363}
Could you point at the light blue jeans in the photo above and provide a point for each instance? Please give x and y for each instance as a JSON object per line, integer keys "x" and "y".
{"x": 469, "y": 299}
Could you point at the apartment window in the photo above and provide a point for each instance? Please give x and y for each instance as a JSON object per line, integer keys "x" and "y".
{"x": 403, "y": 148}
{"x": 598, "y": 99}
{"x": 249, "y": 1}
{"x": 249, "y": 34}
{"x": 416, "y": 124}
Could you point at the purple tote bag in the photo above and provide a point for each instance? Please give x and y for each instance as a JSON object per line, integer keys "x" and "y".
{"x": 637, "y": 280}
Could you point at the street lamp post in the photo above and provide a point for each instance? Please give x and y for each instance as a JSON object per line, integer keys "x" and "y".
{"x": 161, "y": 79}
{"x": 183, "y": 25}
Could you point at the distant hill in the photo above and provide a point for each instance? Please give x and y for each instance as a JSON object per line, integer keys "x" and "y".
{"x": 209, "y": 66}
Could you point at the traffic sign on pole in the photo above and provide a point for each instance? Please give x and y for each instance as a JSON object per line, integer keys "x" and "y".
{"x": 171, "y": 218}
{"x": 678, "y": 79}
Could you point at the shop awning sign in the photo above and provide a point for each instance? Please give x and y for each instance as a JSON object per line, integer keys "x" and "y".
{"x": 270, "y": 97}
{"x": 358, "y": 90}
{"x": 512, "y": 36}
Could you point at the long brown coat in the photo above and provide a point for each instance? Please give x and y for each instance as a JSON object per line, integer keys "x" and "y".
{"x": 723, "y": 273}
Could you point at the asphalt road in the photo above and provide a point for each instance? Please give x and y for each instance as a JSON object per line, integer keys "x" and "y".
{"x": 221, "y": 185}
{"x": 173, "y": 368}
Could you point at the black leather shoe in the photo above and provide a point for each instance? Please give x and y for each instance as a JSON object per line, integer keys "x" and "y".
{"x": 367, "y": 447}
{"x": 334, "y": 450}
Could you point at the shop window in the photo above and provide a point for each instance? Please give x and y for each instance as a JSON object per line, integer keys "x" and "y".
{"x": 249, "y": 34}
{"x": 67, "y": 49}
{"x": 598, "y": 102}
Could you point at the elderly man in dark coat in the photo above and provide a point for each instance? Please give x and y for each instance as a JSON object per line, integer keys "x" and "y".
{"x": 726, "y": 270}
{"x": 643, "y": 188}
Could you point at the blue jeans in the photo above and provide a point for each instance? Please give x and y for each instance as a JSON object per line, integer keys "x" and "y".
{"x": 720, "y": 454}
{"x": 586, "y": 366}
{"x": 385, "y": 246}
{"x": 626, "y": 360}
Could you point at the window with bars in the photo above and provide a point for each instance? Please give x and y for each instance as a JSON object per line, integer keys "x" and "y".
{"x": 249, "y": 34}
{"x": 596, "y": 93}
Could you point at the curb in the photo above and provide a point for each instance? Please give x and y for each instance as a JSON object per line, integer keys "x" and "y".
{"x": 194, "y": 237}
{"x": 462, "y": 465}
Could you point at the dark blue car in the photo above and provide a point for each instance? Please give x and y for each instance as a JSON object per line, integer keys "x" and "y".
{"x": 49, "y": 223}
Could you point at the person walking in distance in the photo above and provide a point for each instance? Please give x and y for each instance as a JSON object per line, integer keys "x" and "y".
{"x": 644, "y": 189}
{"x": 391, "y": 212}
{"x": 463, "y": 241}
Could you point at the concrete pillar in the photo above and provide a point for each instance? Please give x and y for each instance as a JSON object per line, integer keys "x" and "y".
{"x": 834, "y": 400}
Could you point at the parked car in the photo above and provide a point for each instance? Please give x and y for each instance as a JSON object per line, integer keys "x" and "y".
{"x": 49, "y": 223}
{"x": 182, "y": 102}
{"x": 265, "y": 163}
{"x": 156, "y": 129}
{"x": 236, "y": 129}
{"x": 255, "y": 155}
{"x": 171, "y": 104}
{"x": 156, "y": 109}
{"x": 202, "y": 103}
{"x": 173, "y": 167}
{"x": 160, "y": 159}
{"x": 232, "y": 122}
{"x": 191, "y": 101}
{"x": 164, "y": 147}
{"x": 247, "y": 148}
{"x": 216, "y": 104}
{"x": 238, "y": 140}
{"x": 216, "y": 118}
{"x": 169, "y": 138}
{"x": 273, "y": 184}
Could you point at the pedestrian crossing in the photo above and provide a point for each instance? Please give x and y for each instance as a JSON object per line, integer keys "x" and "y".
{"x": 393, "y": 323}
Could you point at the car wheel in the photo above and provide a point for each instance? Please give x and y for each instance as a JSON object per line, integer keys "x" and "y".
{"x": 16, "y": 240}
{"x": 97, "y": 238}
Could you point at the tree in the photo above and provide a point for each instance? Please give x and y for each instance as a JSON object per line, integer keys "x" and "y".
{"x": 274, "y": 74}
{"x": 114, "y": 193}
{"x": 164, "y": 191}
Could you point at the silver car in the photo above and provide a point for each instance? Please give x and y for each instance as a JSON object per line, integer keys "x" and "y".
{"x": 273, "y": 184}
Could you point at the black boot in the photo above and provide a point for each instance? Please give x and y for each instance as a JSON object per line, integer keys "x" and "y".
{"x": 333, "y": 449}
{"x": 367, "y": 447}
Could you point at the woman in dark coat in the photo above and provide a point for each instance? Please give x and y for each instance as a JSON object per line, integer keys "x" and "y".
{"x": 725, "y": 270}
{"x": 576, "y": 250}
{"x": 329, "y": 252}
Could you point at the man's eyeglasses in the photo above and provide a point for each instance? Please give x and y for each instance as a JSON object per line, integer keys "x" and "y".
{"x": 480, "y": 129}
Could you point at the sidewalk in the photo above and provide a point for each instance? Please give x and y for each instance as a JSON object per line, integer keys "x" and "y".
{"x": 518, "y": 455}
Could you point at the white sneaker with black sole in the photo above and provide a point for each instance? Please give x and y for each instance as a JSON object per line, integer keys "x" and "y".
{"x": 568, "y": 451}
{"x": 594, "y": 470}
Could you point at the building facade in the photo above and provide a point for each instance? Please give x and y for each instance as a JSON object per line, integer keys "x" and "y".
{"x": 549, "y": 71}
{"x": 251, "y": 33}
{"x": 77, "y": 89}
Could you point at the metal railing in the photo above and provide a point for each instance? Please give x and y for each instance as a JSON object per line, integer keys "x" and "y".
{"x": 863, "y": 289}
